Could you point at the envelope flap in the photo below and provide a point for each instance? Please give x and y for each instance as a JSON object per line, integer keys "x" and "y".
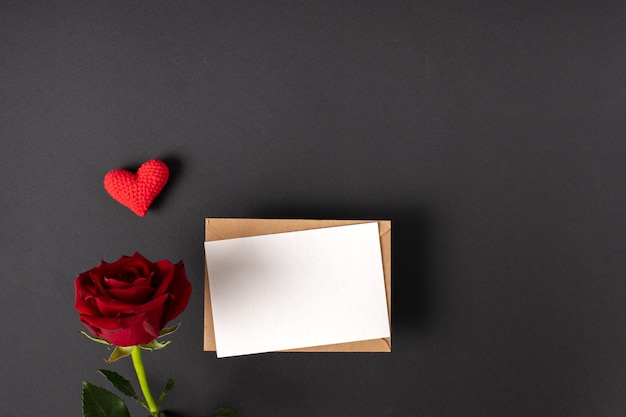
{"x": 384, "y": 227}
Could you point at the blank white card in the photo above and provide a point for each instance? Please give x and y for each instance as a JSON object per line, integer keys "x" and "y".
{"x": 297, "y": 289}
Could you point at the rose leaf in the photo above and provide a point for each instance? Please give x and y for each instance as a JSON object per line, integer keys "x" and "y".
{"x": 168, "y": 387}
{"x": 98, "y": 402}
{"x": 123, "y": 385}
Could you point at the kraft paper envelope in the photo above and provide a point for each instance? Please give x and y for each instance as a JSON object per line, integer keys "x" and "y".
{"x": 229, "y": 228}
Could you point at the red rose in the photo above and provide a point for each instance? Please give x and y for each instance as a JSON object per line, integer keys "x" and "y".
{"x": 129, "y": 301}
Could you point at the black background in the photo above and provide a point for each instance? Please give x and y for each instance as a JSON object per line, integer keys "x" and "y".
{"x": 490, "y": 132}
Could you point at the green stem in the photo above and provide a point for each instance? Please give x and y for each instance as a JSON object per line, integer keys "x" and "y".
{"x": 143, "y": 380}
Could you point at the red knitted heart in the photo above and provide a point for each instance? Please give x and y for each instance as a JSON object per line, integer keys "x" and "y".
{"x": 137, "y": 191}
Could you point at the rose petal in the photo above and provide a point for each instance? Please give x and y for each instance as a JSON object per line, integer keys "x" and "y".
{"x": 164, "y": 272}
{"x": 136, "y": 265}
{"x": 137, "y": 294}
{"x": 180, "y": 291}
{"x": 139, "y": 259}
{"x": 85, "y": 303}
{"x": 158, "y": 303}
{"x": 84, "y": 294}
{"x": 96, "y": 277}
{"x": 110, "y": 283}
{"x": 125, "y": 331}
{"x": 114, "y": 308}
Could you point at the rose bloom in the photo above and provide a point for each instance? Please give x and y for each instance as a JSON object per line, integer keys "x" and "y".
{"x": 128, "y": 302}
